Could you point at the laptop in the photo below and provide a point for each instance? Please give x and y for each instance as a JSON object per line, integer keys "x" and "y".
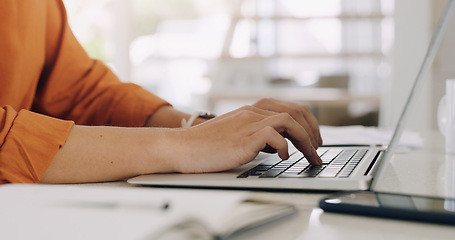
{"x": 343, "y": 168}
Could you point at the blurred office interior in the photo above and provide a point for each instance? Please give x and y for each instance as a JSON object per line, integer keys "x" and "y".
{"x": 353, "y": 61}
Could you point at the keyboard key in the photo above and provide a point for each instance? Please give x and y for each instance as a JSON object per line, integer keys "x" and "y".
{"x": 261, "y": 168}
{"x": 329, "y": 155}
{"x": 313, "y": 170}
{"x": 271, "y": 173}
{"x": 303, "y": 163}
{"x": 289, "y": 175}
{"x": 329, "y": 174}
{"x": 271, "y": 161}
{"x": 321, "y": 151}
{"x": 297, "y": 168}
{"x": 243, "y": 175}
{"x": 301, "y": 175}
{"x": 344, "y": 174}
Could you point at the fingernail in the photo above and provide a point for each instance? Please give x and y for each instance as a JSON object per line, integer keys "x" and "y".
{"x": 319, "y": 158}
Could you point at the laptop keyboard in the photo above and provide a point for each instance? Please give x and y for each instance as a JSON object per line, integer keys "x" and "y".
{"x": 336, "y": 162}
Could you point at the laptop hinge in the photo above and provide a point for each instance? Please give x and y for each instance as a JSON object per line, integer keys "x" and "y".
{"x": 372, "y": 168}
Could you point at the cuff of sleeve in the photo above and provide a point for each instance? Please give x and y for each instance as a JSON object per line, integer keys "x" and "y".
{"x": 30, "y": 146}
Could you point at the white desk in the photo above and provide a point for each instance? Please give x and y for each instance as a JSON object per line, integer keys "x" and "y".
{"x": 312, "y": 223}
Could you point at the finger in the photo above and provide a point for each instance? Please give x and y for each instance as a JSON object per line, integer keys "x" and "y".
{"x": 284, "y": 123}
{"x": 268, "y": 136}
{"x": 313, "y": 122}
{"x": 248, "y": 108}
{"x": 300, "y": 118}
{"x": 261, "y": 111}
{"x": 301, "y": 113}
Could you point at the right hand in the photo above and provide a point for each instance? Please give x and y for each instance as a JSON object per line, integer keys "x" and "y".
{"x": 233, "y": 139}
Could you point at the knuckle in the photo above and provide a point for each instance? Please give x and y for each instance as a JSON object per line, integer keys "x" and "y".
{"x": 246, "y": 108}
{"x": 264, "y": 101}
{"x": 285, "y": 116}
{"x": 305, "y": 108}
{"x": 245, "y": 113}
{"x": 269, "y": 130}
{"x": 294, "y": 112}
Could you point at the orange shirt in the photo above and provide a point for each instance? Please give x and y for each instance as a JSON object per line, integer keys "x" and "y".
{"x": 48, "y": 83}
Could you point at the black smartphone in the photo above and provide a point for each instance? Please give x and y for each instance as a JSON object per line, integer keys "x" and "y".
{"x": 390, "y": 205}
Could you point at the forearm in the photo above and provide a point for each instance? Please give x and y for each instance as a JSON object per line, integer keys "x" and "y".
{"x": 95, "y": 154}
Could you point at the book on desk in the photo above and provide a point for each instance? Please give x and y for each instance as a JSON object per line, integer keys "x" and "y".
{"x": 104, "y": 212}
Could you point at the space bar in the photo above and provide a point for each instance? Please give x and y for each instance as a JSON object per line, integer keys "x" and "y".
{"x": 296, "y": 175}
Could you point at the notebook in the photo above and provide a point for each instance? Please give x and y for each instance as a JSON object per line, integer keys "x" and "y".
{"x": 343, "y": 168}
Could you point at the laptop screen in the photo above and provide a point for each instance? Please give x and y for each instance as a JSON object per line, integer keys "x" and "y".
{"x": 415, "y": 90}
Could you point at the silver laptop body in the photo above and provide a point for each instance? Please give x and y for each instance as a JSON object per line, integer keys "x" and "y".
{"x": 359, "y": 178}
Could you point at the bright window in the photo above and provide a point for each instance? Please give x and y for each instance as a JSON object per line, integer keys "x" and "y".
{"x": 178, "y": 49}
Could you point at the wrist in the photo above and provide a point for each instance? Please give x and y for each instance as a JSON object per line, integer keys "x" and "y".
{"x": 175, "y": 159}
{"x": 165, "y": 116}
{"x": 157, "y": 151}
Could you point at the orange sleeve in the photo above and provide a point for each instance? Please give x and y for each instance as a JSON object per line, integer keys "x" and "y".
{"x": 28, "y": 142}
{"x": 70, "y": 88}
{"x": 82, "y": 89}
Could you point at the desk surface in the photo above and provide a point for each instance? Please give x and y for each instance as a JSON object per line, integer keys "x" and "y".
{"x": 312, "y": 223}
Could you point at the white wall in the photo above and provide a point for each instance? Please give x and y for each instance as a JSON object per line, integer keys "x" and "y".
{"x": 413, "y": 27}
{"x": 122, "y": 37}
{"x": 415, "y": 22}
{"x": 444, "y": 66}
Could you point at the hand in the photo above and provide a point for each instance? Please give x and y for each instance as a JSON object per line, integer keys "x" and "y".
{"x": 301, "y": 113}
{"x": 236, "y": 138}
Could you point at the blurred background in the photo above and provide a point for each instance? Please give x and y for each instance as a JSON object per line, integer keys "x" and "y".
{"x": 353, "y": 61}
